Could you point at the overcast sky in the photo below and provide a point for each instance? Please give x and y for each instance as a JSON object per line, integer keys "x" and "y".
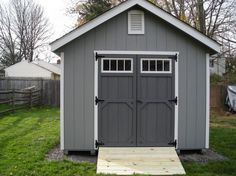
{"x": 56, "y": 12}
{"x": 61, "y": 23}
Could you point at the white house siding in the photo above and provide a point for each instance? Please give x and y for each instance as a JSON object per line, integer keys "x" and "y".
{"x": 217, "y": 66}
{"x": 26, "y": 69}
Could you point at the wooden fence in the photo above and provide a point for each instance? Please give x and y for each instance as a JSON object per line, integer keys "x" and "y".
{"x": 218, "y": 96}
{"x": 13, "y": 100}
{"x": 50, "y": 88}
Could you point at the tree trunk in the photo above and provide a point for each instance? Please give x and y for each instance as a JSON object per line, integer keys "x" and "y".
{"x": 201, "y": 16}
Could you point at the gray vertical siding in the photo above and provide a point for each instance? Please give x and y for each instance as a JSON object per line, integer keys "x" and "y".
{"x": 113, "y": 35}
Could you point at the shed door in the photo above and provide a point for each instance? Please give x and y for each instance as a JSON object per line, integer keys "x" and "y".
{"x": 117, "y": 111}
{"x": 133, "y": 100}
{"x": 155, "y": 111}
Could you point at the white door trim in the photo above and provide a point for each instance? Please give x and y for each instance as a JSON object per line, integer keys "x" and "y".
{"x": 165, "y": 53}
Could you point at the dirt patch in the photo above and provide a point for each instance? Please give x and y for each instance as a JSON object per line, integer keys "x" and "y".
{"x": 202, "y": 157}
{"x": 56, "y": 154}
{"x": 216, "y": 125}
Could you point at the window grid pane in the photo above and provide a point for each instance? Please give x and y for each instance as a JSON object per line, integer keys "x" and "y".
{"x": 166, "y": 65}
{"x": 145, "y": 65}
{"x": 152, "y": 65}
{"x": 120, "y": 65}
{"x": 127, "y": 65}
{"x": 159, "y": 65}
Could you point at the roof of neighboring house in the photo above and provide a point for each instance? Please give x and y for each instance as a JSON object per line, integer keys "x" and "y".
{"x": 48, "y": 66}
{"x": 57, "y": 65}
{"x": 42, "y": 64}
{"x": 212, "y": 44}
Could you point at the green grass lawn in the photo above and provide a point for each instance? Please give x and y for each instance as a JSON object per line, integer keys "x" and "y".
{"x": 27, "y": 136}
{"x": 222, "y": 140}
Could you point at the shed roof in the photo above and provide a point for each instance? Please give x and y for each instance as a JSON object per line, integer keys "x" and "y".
{"x": 212, "y": 44}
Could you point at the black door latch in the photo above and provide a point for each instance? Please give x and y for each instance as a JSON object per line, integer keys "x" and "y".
{"x": 98, "y": 100}
{"x": 97, "y": 144}
{"x": 174, "y": 100}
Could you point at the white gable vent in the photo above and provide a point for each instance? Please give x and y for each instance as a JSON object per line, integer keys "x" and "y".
{"x": 135, "y": 22}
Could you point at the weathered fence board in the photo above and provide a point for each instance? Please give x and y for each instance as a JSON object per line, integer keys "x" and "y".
{"x": 17, "y": 100}
{"x": 218, "y": 95}
{"x": 50, "y": 88}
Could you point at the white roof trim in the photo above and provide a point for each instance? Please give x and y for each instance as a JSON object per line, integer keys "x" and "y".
{"x": 125, "y": 6}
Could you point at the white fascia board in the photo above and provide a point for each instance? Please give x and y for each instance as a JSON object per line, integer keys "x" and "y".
{"x": 123, "y": 7}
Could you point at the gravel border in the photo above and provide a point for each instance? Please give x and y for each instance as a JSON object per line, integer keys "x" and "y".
{"x": 204, "y": 156}
{"x": 57, "y": 154}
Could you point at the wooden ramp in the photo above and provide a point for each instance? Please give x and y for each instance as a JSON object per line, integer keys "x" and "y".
{"x": 139, "y": 160}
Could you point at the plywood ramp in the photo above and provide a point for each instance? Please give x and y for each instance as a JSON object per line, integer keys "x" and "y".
{"x": 139, "y": 160}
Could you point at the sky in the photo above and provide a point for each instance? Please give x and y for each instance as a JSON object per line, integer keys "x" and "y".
{"x": 60, "y": 22}
{"x": 56, "y": 11}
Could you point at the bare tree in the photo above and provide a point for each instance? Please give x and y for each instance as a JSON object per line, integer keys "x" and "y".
{"x": 8, "y": 43}
{"x": 215, "y": 18}
{"x": 23, "y": 29}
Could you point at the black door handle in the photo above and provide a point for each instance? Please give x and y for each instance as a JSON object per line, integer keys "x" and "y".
{"x": 97, "y": 100}
{"x": 139, "y": 101}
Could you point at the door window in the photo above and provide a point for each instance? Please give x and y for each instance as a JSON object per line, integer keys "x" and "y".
{"x": 155, "y": 65}
{"x": 117, "y": 65}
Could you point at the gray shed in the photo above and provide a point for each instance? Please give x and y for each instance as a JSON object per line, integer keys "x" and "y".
{"x": 135, "y": 76}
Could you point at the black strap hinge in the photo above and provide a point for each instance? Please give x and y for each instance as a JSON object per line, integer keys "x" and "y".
{"x": 174, "y": 143}
{"x": 97, "y": 100}
{"x": 98, "y": 143}
{"x": 176, "y": 57}
{"x": 98, "y": 56}
{"x": 175, "y": 100}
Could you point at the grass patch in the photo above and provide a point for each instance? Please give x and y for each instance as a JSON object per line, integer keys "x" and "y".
{"x": 222, "y": 140}
{"x": 27, "y": 136}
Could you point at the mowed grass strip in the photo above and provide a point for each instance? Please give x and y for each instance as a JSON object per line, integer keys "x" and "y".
{"x": 25, "y": 139}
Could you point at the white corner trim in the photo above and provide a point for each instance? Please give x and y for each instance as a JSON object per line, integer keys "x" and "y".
{"x": 62, "y": 103}
{"x": 207, "y": 100}
{"x": 125, "y": 6}
{"x": 165, "y": 53}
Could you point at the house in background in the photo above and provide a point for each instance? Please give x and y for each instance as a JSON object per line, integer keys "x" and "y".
{"x": 217, "y": 66}
{"x": 35, "y": 69}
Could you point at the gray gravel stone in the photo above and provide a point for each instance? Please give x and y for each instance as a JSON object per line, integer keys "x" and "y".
{"x": 202, "y": 157}
{"x": 56, "y": 154}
